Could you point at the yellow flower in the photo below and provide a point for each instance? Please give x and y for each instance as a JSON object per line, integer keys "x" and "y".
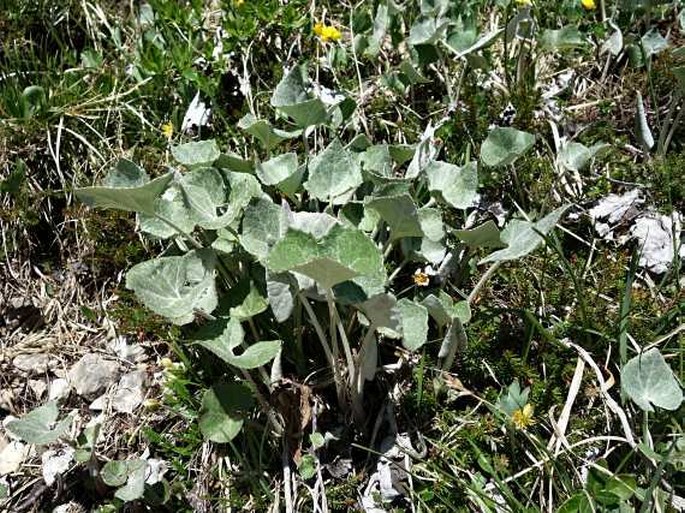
{"x": 523, "y": 417}
{"x": 423, "y": 277}
{"x": 524, "y": 3}
{"x": 238, "y": 3}
{"x": 589, "y": 4}
{"x": 327, "y": 32}
{"x": 168, "y": 129}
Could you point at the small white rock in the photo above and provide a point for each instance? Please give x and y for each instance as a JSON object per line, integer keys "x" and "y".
{"x": 34, "y": 363}
{"x": 155, "y": 470}
{"x": 12, "y": 456}
{"x": 92, "y": 374}
{"x": 59, "y": 389}
{"x": 56, "y": 462}
{"x": 38, "y": 387}
{"x": 99, "y": 404}
{"x": 129, "y": 393}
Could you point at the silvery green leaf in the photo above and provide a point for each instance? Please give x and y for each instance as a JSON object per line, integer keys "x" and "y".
{"x": 253, "y": 304}
{"x": 367, "y": 359}
{"x": 648, "y": 380}
{"x": 380, "y": 27}
{"x": 269, "y": 136}
{"x": 401, "y": 153}
{"x": 427, "y": 31}
{"x": 377, "y": 159}
{"x": 116, "y": 472}
{"x": 653, "y": 43}
{"x": 486, "y": 235}
{"x": 333, "y": 173}
{"x": 223, "y": 410}
{"x": 455, "y": 340}
{"x": 454, "y": 185}
{"x": 225, "y": 241}
{"x": 642, "y": 125}
{"x": 613, "y": 44}
{"x": 523, "y": 237}
{"x": 172, "y": 207}
{"x": 291, "y": 90}
{"x": 36, "y": 427}
{"x": 207, "y": 196}
{"x": 291, "y": 98}
{"x": 411, "y": 74}
{"x": 244, "y": 188}
{"x": 431, "y": 223}
{"x": 224, "y": 342}
{"x": 562, "y": 39}
{"x": 426, "y": 151}
{"x": 309, "y": 113}
{"x": 341, "y": 255}
{"x": 280, "y": 295}
{"x": 262, "y": 227}
{"x": 414, "y": 323}
{"x": 127, "y": 187}
{"x": 575, "y": 156}
{"x": 195, "y": 154}
{"x": 283, "y": 172}
{"x": 438, "y": 310}
{"x": 504, "y": 145}
{"x": 381, "y": 312}
{"x": 483, "y": 41}
{"x": 257, "y": 354}
{"x": 400, "y": 213}
{"x": 234, "y": 163}
{"x": 175, "y": 287}
{"x": 314, "y": 223}
{"x": 444, "y": 310}
{"x": 134, "y": 488}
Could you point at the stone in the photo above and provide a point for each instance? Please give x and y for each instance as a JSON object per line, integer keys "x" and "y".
{"x": 92, "y": 374}
{"x": 33, "y": 363}
{"x": 129, "y": 393}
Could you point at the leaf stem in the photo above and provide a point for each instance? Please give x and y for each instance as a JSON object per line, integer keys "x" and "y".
{"x": 483, "y": 280}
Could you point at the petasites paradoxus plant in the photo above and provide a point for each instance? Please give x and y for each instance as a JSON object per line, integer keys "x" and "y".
{"x": 308, "y": 260}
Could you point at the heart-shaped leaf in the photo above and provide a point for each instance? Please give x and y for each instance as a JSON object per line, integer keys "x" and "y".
{"x": 562, "y": 39}
{"x": 263, "y": 225}
{"x": 504, "y": 145}
{"x": 207, "y": 196}
{"x": 333, "y": 174}
{"x": 291, "y": 98}
{"x": 262, "y": 130}
{"x": 522, "y": 237}
{"x": 414, "y": 323}
{"x": 223, "y": 411}
{"x": 486, "y": 235}
{"x": 196, "y": 154}
{"x": 648, "y": 380}
{"x": 176, "y": 287}
{"x": 36, "y": 427}
{"x": 283, "y": 172}
{"x": 253, "y": 304}
{"x": 127, "y": 187}
{"x": 169, "y": 209}
{"x": 400, "y": 213}
{"x": 231, "y": 338}
{"x": 341, "y": 255}
{"x": 454, "y": 185}
{"x": 575, "y": 156}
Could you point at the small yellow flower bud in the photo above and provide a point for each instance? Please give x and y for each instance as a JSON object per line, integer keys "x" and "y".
{"x": 589, "y": 4}
{"x": 168, "y": 129}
